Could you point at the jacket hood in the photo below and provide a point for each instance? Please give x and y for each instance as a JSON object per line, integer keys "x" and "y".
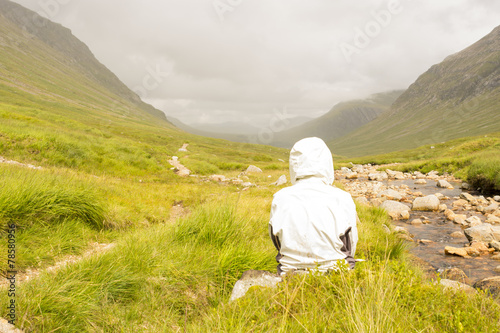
{"x": 311, "y": 157}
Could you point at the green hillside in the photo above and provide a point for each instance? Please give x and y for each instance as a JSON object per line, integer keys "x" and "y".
{"x": 456, "y": 98}
{"x": 342, "y": 119}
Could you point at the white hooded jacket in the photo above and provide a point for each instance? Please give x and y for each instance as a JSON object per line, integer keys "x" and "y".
{"x": 312, "y": 224}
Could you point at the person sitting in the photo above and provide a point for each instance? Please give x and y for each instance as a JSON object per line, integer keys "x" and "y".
{"x": 312, "y": 223}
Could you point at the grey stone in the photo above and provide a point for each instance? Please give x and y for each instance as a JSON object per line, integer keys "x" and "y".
{"x": 391, "y": 195}
{"x": 253, "y": 169}
{"x": 455, "y": 285}
{"x": 444, "y": 184}
{"x": 253, "y": 278}
{"x": 465, "y": 186}
{"x": 396, "y": 210}
{"x": 427, "y": 203}
{"x": 483, "y": 233}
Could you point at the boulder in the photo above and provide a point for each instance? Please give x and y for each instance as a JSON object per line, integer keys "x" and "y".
{"x": 473, "y": 221}
{"x": 281, "y": 181}
{"x": 253, "y": 169}
{"x": 455, "y": 274}
{"x": 396, "y": 210}
{"x": 253, "y": 278}
{"x": 390, "y": 195}
{"x": 483, "y": 233}
{"x": 458, "y": 251}
{"x": 469, "y": 198}
{"x": 444, "y": 184}
{"x": 427, "y": 203}
{"x": 491, "y": 285}
{"x": 455, "y": 285}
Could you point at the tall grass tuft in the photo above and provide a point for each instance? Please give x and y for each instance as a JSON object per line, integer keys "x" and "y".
{"x": 32, "y": 196}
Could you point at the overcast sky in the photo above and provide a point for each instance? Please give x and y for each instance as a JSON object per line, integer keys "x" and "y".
{"x": 225, "y": 60}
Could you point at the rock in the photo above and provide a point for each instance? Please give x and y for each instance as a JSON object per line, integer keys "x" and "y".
{"x": 6, "y": 327}
{"x": 465, "y": 186}
{"x": 495, "y": 257}
{"x": 253, "y": 169}
{"x": 455, "y": 285}
{"x": 496, "y": 198}
{"x": 459, "y": 219}
{"x": 253, "y": 278}
{"x": 472, "y": 251}
{"x": 218, "y": 178}
{"x": 376, "y": 202}
{"x": 459, "y": 203}
{"x": 456, "y": 274}
{"x": 247, "y": 184}
{"x": 469, "y": 198}
{"x": 395, "y": 174}
{"x": 363, "y": 201}
{"x": 444, "y": 184}
{"x": 237, "y": 181}
{"x": 425, "y": 241}
{"x": 416, "y": 222}
{"x": 396, "y": 210}
{"x": 491, "y": 285}
{"x": 443, "y": 207}
{"x": 352, "y": 175}
{"x": 492, "y": 219}
{"x": 420, "y": 182}
{"x": 473, "y": 221}
{"x": 390, "y": 195}
{"x": 461, "y": 252}
{"x": 450, "y": 215}
{"x": 483, "y": 233}
{"x": 405, "y": 237}
{"x": 281, "y": 181}
{"x": 378, "y": 176}
{"x": 427, "y": 203}
{"x": 497, "y": 269}
{"x": 495, "y": 245}
{"x": 457, "y": 234}
{"x": 481, "y": 247}
{"x": 440, "y": 196}
{"x": 491, "y": 208}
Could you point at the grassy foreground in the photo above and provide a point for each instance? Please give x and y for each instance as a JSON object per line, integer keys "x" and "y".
{"x": 174, "y": 276}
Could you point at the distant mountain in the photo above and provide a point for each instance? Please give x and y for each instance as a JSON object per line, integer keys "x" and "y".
{"x": 456, "y": 98}
{"x": 37, "y": 54}
{"x": 342, "y": 119}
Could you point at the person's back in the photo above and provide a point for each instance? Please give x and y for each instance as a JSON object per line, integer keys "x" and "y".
{"x": 312, "y": 224}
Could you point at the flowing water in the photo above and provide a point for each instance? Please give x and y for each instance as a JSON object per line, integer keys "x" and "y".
{"x": 439, "y": 230}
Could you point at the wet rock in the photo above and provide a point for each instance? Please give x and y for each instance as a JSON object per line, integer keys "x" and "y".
{"x": 472, "y": 251}
{"x": 456, "y": 274}
{"x": 363, "y": 201}
{"x": 443, "y": 207}
{"x": 396, "y": 210}
{"x": 457, "y": 234}
{"x": 391, "y": 195}
{"x": 444, "y": 184}
{"x": 495, "y": 245}
{"x": 420, "y": 182}
{"x": 455, "y": 285}
{"x": 378, "y": 176}
{"x": 483, "y": 233}
{"x": 459, "y": 219}
{"x": 469, "y": 198}
{"x": 427, "y": 203}
{"x": 416, "y": 222}
{"x": 425, "y": 241}
{"x": 461, "y": 252}
{"x": 281, "y": 181}
{"x": 465, "y": 186}
{"x": 481, "y": 247}
{"x": 253, "y": 169}
{"x": 460, "y": 203}
{"x": 491, "y": 285}
{"x": 473, "y": 221}
{"x": 253, "y": 278}
{"x": 450, "y": 215}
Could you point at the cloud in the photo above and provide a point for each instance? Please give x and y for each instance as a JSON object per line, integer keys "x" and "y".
{"x": 246, "y": 58}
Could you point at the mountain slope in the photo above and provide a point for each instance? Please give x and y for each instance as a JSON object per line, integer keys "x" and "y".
{"x": 61, "y": 55}
{"x": 456, "y": 98}
{"x": 342, "y": 119}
